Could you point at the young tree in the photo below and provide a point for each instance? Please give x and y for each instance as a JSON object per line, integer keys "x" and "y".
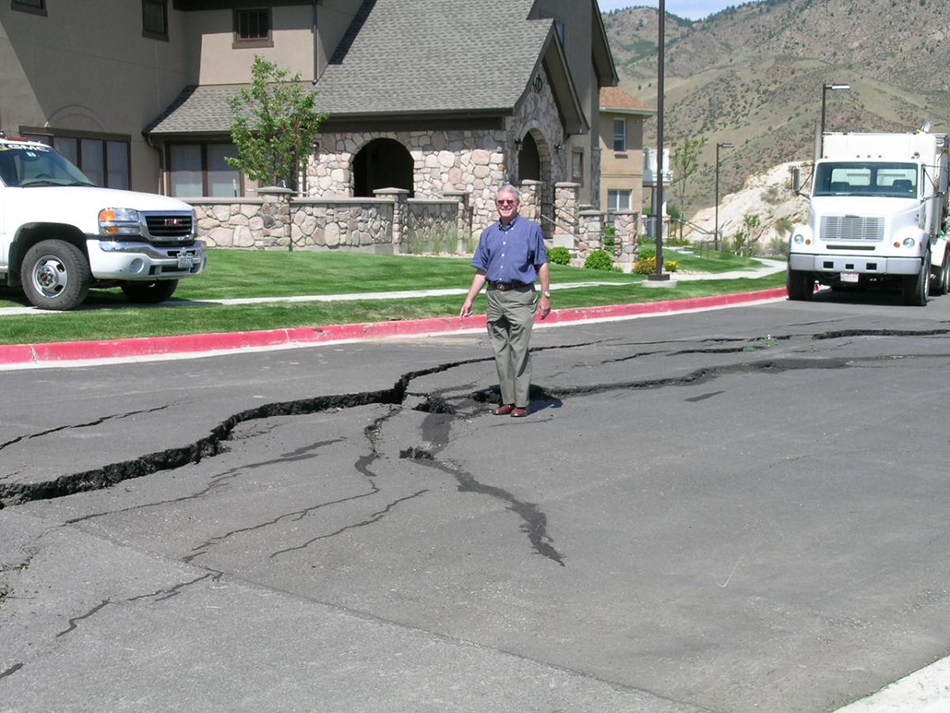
{"x": 273, "y": 124}
{"x": 685, "y": 165}
{"x": 746, "y": 240}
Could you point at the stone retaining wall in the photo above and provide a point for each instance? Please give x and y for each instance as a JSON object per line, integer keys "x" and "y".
{"x": 392, "y": 222}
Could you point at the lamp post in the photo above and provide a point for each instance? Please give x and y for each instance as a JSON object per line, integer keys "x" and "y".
{"x": 824, "y": 91}
{"x": 724, "y": 145}
{"x": 658, "y": 210}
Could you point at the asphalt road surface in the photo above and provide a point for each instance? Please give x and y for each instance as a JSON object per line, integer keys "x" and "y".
{"x": 734, "y": 510}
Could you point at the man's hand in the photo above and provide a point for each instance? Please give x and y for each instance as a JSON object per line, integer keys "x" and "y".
{"x": 545, "y": 307}
{"x": 466, "y": 309}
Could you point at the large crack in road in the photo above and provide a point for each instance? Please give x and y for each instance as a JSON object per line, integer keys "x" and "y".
{"x": 214, "y": 443}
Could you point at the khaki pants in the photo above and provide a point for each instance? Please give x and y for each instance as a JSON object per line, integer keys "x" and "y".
{"x": 510, "y": 319}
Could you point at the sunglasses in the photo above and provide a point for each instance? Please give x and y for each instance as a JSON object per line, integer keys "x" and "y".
{"x": 505, "y": 202}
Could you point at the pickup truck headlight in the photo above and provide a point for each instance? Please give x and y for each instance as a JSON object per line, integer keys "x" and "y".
{"x": 120, "y": 221}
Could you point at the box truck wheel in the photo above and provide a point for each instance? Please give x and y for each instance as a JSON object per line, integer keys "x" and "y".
{"x": 800, "y": 285}
{"x": 915, "y": 289}
{"x": 941, "y": 283}
{"x": 55, "y": 275}
{"x": 149, "y": 292}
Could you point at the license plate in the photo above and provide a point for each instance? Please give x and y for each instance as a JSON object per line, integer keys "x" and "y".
{"x": 849, "y": 277}
{"x": 186, "y": 262}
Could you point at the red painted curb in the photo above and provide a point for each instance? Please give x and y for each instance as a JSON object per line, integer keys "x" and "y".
{"x": 195, "y": 343}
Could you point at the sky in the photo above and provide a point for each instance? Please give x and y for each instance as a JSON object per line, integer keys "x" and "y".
{"x": 692, "y": 9}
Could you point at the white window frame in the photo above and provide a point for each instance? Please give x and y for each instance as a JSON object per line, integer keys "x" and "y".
{"x": 622, "y": 135}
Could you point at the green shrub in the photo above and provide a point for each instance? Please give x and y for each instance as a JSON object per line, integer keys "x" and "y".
{"x": 599, "y": 260}
{"x": 610, "y": 238}
{"x": 559, "y": 256}
{"x": 645, "y": 266}
{"x": 671, "y": 265}
{"x": 648, "y": 251}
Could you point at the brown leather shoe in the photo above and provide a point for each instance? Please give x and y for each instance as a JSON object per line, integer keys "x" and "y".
{"x": 519, "y": 412}
{"x": 504, "y": 410}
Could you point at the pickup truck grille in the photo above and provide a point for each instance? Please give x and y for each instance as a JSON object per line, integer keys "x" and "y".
{"x": 851, "y": 227}
{"x": 168, "y": 226}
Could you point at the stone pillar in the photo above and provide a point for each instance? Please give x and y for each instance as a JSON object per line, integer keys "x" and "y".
{"x": 275, "y": 213}
{"x": 531, "y": 200}
{"x": 626, "y": 223}
{"x": 565, "y": 214}
{"x": 464, "y": 223}
{"x": 400, "y": 199}
{"x": 591, "y": 233}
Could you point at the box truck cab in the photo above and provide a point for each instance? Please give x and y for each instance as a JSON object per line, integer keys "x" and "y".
{"x": 60, "y": 234}
{"x": 877, "y": 212}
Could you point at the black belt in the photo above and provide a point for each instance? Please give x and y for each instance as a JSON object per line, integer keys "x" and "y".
{"x": 504, "y": 286}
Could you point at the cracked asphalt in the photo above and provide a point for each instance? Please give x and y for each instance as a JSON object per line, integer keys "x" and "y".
{"x": 734, "y": 510}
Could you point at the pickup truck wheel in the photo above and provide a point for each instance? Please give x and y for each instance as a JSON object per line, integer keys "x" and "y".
{"x": 915, "y": 289}
{"x": 800, "y": 285}
{"x": 149, "y": 292}
{"x": 55, "y": 275}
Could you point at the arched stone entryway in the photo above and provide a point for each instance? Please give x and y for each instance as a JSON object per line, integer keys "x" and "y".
{"x": 534, "y": 164}
{"x": 529, "y": 160}
{"x": 382, "y": 163}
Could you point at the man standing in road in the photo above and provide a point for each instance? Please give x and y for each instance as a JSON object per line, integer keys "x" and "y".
{"x": 510, "y": 257}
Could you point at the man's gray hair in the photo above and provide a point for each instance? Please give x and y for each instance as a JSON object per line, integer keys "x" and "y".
{"x": 508, "y": 188}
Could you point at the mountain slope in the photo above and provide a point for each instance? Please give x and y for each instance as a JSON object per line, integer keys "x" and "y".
{"x": 753, "y": 76}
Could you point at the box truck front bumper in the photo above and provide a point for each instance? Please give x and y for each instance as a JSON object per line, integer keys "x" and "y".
{"x": 863, "y": 264}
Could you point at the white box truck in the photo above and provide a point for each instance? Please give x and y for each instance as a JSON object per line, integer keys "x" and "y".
{"x": 60, "y": 234}
{"x": 877, "y": 214}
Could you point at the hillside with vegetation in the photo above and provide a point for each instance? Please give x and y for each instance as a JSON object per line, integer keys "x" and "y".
{"x": 752, "y": 75}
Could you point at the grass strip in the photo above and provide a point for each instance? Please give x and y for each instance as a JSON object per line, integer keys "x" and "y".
{"x": 126, "y": 322}
{"x": 237, "y": 273}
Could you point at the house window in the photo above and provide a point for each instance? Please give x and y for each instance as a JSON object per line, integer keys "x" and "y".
{"x": 252, "y": 28}
{"x": 105, "y": 159}
{"x": 200, "y": 170}
{"x": 620, "y": 134}
{"x": 36, "y": 7}
{"x": 577, "y": 166}
{"x": 618, "y": 200}
{"x": 155, "y": 19}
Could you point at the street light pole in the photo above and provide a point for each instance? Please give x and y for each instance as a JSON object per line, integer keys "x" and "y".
{"x": 661, "y": 50}
{"x": 724, "y": 145}
{"x": 824, "y": 91}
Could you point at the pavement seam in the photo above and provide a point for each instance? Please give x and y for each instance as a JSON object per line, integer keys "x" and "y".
{"x": 225, "y": 577}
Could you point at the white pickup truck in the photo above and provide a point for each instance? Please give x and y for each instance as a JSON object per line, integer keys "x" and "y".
{"x": 877, "y": 212}
{"x": 61, "y": 235}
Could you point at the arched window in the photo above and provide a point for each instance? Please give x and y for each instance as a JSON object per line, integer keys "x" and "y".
{"x": 382, "y": 163}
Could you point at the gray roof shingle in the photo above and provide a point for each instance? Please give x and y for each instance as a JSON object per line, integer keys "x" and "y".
{"x": 424, "y": 56}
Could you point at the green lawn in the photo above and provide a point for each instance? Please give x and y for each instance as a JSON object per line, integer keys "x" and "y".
{"x": 258, "y": 274}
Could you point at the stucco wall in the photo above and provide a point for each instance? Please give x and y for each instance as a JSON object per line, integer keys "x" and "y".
{"x": 86, "y": 67}
{"x": 213, "y": 60}
{"x": 622, "y": 170}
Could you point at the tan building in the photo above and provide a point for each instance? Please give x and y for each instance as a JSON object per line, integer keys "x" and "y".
{"x": 621, "y": 149}
{"x": 419, "y": 95}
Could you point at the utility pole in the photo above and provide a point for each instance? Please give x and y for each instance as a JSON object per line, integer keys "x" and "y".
{"x": 658, "y": 212}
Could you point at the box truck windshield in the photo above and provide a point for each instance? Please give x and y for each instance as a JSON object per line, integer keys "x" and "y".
{"x": 856, "y": 178}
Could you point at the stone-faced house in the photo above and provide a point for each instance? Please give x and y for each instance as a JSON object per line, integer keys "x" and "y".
{"x": 434, "y": 97}
{"x": 443, "y": 99}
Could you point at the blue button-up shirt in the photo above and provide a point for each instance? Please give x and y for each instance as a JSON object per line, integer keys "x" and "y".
{"x": 511, "y": 253}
